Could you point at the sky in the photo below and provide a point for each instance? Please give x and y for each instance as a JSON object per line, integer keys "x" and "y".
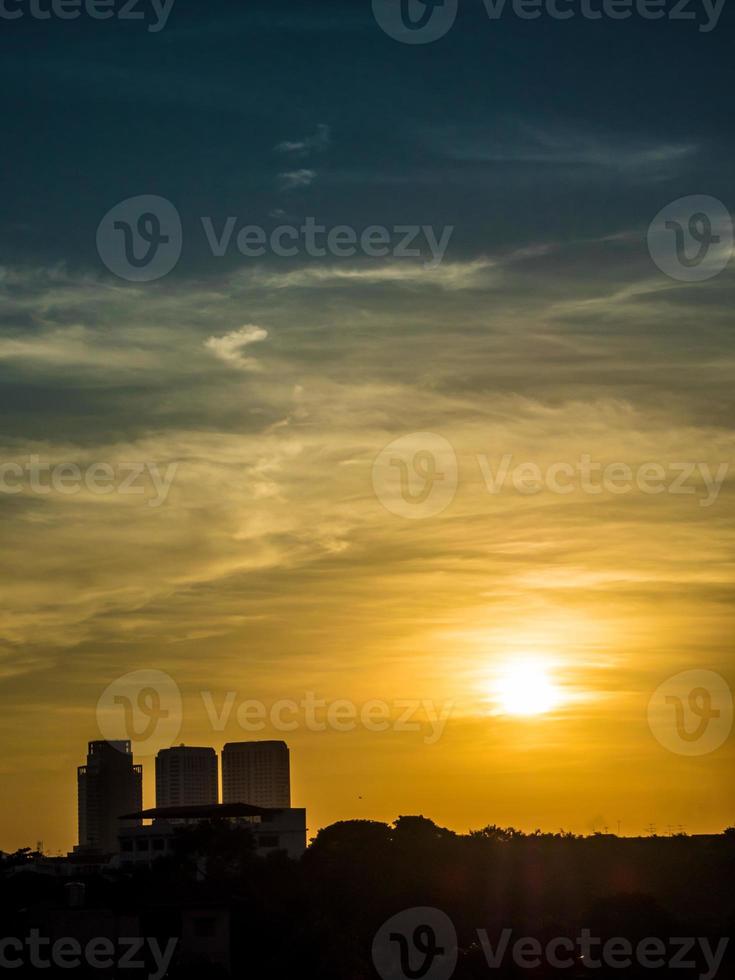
{"x": 324, "y": 453}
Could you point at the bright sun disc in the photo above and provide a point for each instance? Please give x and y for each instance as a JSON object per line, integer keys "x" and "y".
{"x": 526, "y": 688}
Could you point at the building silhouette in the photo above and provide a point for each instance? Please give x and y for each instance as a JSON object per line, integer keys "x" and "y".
{"x": 272, "y": 830}
{"x": 187, "y": 776}
{"x": 108, "y": 786}
{"x": 257, "y": 773}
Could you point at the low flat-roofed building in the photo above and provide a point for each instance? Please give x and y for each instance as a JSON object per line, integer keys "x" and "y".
{"x": 272, "y": 829}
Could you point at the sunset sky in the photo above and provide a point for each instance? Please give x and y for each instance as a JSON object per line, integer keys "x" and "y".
{"x": 277, "y": 565}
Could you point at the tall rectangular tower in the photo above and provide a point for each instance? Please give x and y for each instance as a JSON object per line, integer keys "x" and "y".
{"x": 187, "y": 776}
{"x": 257, "y": 773}
{"x": 107, "y": 787}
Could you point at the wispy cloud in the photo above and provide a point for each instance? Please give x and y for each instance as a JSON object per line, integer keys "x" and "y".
{"x": 449, "y": 275}
{"x": 293, "y": 179}
{"x": 315, "y": 143}
{"x": 230, "y": 347}
{"x": 519, "y": 141}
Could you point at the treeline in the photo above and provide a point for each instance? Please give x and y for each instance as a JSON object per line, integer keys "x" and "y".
{"x": 318, "y": 917}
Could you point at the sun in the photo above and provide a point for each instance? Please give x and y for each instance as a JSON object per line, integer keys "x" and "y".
{"x": 526, "y": 687}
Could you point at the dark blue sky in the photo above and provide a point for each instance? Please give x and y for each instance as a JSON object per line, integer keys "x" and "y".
{"x": 97, "y": 111}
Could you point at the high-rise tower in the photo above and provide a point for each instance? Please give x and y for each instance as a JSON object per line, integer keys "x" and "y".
{"x": 257, "y": 773}
{"x": 187, "y": 776}
{"x": 108, "y": 786}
